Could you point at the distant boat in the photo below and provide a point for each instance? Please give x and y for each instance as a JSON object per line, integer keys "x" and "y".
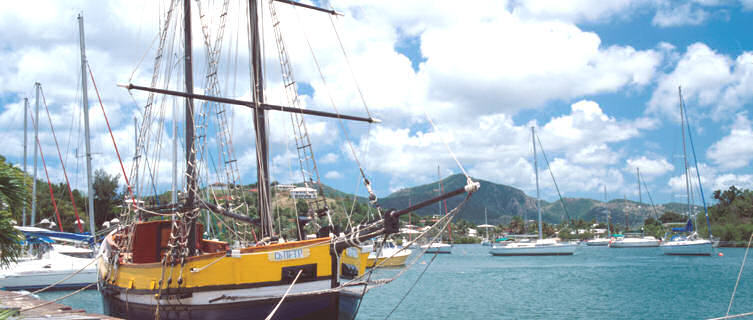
{"x": 541, "y": 247}
{"x": 598, "y": 242}
{"x": 437, "y": 247}
{"x": 52, "y": 263}
{"x": 692, "y": 244}
{"x": 486, "y": 225}
{"x": 628, "y": 242}
{"x": 395, "y": 256}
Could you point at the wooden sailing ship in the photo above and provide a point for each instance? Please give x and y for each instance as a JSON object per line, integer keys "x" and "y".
{"x": 158, "y": 265}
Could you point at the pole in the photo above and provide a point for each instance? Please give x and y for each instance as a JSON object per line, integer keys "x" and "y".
{"x": 36, "y": 138}
{"x": 536, "y": 170}
{"x": 627, "y": 221}
{"x": 174, "y": 188}
{"x": 90, "y": 189}
{"x": 640, "y": 196}
{"x": 260, "y": 122}
{"x": 190, "y": 154}
{"x": 135, "y": 154}
{"x": 684, "y": 152}
{"x": 26, "y": 116}
{"x": 609, "y": 233}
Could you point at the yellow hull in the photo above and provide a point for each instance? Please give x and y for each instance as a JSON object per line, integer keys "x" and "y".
{"x": 390, "y": 262}
{"x": 247, "y": 267}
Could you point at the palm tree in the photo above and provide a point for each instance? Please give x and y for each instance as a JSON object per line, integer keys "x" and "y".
{"x": 11, "y": 200}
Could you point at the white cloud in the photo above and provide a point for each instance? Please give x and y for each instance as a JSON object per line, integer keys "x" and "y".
{"x": 709, "y": 80}
{"x": 650, "y": 168}
{"x": 328, "y": 158}
{"x": 578, "y": 10}
{"x": 497, "y": 149}
{"x": 680, "y": 15}
{"x": 333, "y": 175}
{"x": 747, "y": 4}
{"x": 711, "y": 178}
{"x": 736, "y": 149}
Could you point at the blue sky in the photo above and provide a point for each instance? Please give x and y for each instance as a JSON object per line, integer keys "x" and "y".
{"x": 597, "y": 78}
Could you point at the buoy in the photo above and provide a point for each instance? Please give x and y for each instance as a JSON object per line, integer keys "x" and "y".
{"x": 720, "y": 254}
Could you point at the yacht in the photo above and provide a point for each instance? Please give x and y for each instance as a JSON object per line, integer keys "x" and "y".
{"x": 437, "y": 247}
{"x": 627, "y": 242}
{"x": 540, "y": 247}
{"x": 390, "y": 255}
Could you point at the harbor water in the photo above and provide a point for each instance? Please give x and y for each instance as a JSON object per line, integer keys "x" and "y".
{"x": 595, "y": 283}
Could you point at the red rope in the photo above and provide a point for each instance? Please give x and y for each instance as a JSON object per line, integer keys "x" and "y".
{"x": 70, "y": 193}
{"x": 125, "y": 176}
{"x": 52, "y": 195}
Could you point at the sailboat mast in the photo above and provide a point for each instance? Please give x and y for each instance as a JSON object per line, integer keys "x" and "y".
{"x": 190, "y": 154}
{"x": 260, "y": 122}
{"x": 684, "y": 152}
{"x": 609, "y": 233}
{"x": 89, "y": 188}
{"x": 36, "y": 139}
{"x": 627, "y": 219}
{"x": 26, "y": 116}
{"x": 640, "y": 196}
{"x": 536, "y": 171}
{"x": 174, "y": 186}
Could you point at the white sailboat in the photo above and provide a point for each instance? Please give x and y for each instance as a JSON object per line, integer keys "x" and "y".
{"x": 540, "y": 247}
{"x": 639, "y": 240}
{"x": 486, "y": 225}
{"x": 439, "y": 246}
{"x": 53, "y": 262}
{"x": 634, "y": 242}
{"x": 390, "y": 255}
{"x": 692, "y": 244}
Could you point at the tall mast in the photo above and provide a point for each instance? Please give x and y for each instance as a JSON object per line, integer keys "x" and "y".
{"x": 627, "y": 221}
{"x": 190, "y": 154}
{"x": 684, "y": 152}
{"x": 174, "y": 187}
{"x": 89, "y": 188}
{"x": 260, "y": 123}
{"x": 536, "y": 170}
{"x": 135, "y": 155}
{"x": 26, "y": 116}
{"x": 609, "y": 233}
{"x": 36, "y": 139}
{"x": 640, "y": 198}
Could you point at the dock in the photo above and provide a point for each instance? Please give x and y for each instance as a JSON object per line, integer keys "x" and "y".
{"x": 21, "y": 303}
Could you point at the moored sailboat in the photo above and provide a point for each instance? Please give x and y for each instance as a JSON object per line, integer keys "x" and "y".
{"x": 690, "y": 243}
{"x": 540, "y": 247}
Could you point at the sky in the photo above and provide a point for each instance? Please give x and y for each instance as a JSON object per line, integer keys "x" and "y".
{"x": 597, "y": 79}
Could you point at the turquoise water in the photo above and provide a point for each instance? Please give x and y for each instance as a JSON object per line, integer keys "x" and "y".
{"x": 595, "y": 283}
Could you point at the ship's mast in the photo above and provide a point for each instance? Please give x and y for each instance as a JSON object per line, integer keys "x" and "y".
{"x": 89, "y": 188}
{"x": 257, "y": 87}
{"x": 684, "y": 152}
{"x": 536, "y": 170}
{"x": 36, "y": 140}
{"x": 190, "y": 153}
{"x": 26, "y": 116}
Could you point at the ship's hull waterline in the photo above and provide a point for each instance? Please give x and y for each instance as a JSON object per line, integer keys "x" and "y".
{"x": 341, "y": 304}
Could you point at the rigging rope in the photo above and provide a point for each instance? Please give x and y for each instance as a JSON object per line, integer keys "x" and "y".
{"x": 562, "y": 201}
{"x": 49, "y": 184}
{"x": 62, "y": 164}
{"x": 742, "y": 266}
{"x": 436, "y": 129}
